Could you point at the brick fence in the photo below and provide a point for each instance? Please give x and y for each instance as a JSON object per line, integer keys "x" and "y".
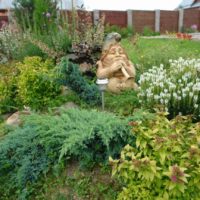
{"x": 3, "y": 17}
{"x": 162, "y": 20}
{"x": 192, "y": 16}
{"x": 158, "y": 20}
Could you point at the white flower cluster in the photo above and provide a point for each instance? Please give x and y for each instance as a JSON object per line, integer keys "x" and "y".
{"x": 9, "y": 41}
{"x": 176, "y": 88}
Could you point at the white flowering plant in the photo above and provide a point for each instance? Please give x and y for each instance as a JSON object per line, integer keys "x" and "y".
{"x": 177, "y": 88}
{"x": 10, "y": 42}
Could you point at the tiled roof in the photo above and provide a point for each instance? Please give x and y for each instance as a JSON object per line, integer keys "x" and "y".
{"x": 196, "y": 4}
{"x": 189, "y": 4}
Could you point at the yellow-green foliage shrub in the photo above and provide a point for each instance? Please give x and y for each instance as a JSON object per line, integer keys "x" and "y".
{"x": 36, "y": 82}
{"x": 6, "y": 95}
{"x": 165, "y": 165}
{"x": 7, "y": 88}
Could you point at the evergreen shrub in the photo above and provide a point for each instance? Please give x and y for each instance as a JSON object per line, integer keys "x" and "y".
{"x": 30, "y": 151}
{"x": 72, "y": 77}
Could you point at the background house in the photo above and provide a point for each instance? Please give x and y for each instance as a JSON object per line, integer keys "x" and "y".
{"x": 188, "y": 4}
{"x": 191, "y": 13}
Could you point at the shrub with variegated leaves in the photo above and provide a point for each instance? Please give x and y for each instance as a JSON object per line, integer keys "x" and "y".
{"x": 166, "y": 163}
{"x": 176, "y": 88}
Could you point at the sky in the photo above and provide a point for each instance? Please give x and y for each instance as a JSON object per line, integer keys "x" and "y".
{"x": 116, "y": 4}
{"x": 132, "y": 4}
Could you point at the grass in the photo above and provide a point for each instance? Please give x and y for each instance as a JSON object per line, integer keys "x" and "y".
{"x": 153, "y": 52}
{"x": 123, "y": 103}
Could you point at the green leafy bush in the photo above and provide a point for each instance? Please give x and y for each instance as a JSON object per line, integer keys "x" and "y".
{"x": 36, "y": 82}
{"x": 30, "y": 151}
{"x": 165, "y": 165}
{"x": 8, "y": 88}
{"x": 176, "y": 88}
{"x": 53, "y": 45}
{"x": 7, "y": 94}
{"x": 148, "y": 32}
{"x": 124, "y": 32}
{"x": 124, "y": 103}
{"x": 29, "y": 50}
{"x": 71, "y": 76}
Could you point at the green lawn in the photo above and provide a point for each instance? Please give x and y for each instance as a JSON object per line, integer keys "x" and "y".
{"x": 153, "y": 52}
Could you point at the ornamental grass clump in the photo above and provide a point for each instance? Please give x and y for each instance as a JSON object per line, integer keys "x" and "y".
{"x": 165, "y": 164}
{"x": 177, "y": 89}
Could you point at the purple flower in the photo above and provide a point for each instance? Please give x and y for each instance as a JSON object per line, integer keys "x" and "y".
{"x": 48, "y": 15}
{"x": 173, "y": 178}
{"x": 194, "y": 27}
{"x": 176, "y": 174}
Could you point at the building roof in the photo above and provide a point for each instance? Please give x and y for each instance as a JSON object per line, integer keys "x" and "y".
{"x": 189, "y": 4}
{"x": 64, "y": 4}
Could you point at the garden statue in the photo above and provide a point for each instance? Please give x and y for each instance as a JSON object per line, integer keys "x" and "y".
{"x": 115, "y": 66}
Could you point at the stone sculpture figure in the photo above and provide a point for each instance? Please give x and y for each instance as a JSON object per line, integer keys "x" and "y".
{"x": 115, "y": 65}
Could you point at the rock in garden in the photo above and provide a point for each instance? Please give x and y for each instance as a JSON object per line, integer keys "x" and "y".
{"x": 14, "y": 119}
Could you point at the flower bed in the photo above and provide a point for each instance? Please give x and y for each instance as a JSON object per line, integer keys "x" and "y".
{"x": 184, "y": 36}
{"x": 177, "y": 89}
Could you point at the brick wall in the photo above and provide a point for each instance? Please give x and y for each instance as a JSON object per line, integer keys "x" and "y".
{"x": 143, "y": 19}
{"x": 169, "y": 21}
{"x": 3, "y": 12}
{"x": 3, "y": 21}
{"x": 3, "y": 17}
{"x": 199, "y": 20}
{"x": 191, "y": 16}
{"x": 86, "y": 17}
{"x": 118, "y": 18}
